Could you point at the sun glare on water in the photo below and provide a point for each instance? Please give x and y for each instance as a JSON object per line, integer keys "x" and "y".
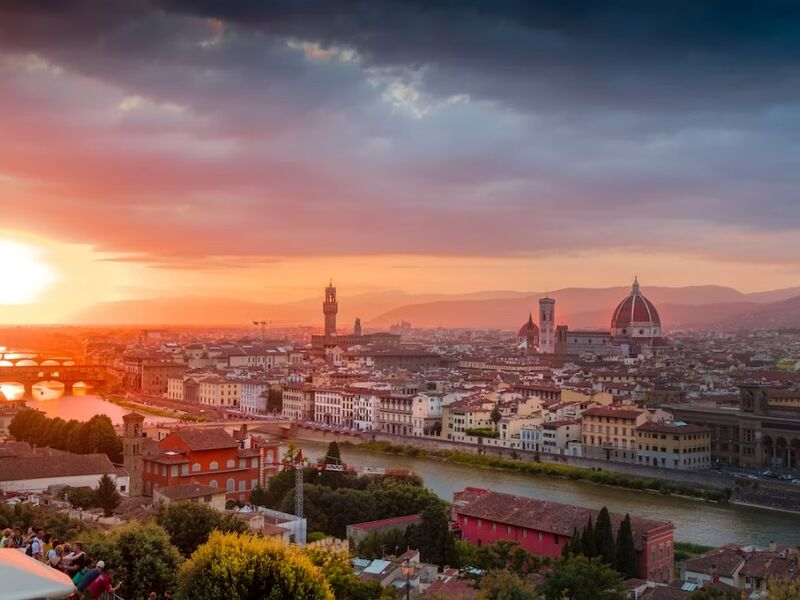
{"x": 23, "y": 274}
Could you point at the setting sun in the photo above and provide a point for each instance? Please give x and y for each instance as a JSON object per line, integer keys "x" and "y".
{"x": 23, "y": 274}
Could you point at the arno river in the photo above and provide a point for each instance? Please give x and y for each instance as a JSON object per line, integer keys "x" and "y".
{"x": 698, "y": 522}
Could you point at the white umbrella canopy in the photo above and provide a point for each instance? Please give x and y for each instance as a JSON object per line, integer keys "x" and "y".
{"x": 25, "y": 578}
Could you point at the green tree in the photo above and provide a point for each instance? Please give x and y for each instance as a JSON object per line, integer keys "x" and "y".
{"x": 101, "y": 437}
{"x": 502, "y": 585}
{"x": 783, "y": 589}
{"x": 433, "y": 538}
{"x": 587, "y": 540}
{"x": 380, "y": 543}
{"x": 509, "y": 556}
{"x": 258, "y": 496}
{"x": 604, "y": 538}
{"x": 626, "y": 551}
{"x": 495, "y": 416}
{"x": 335, "y": 566}
{"x": 275, "y": 400}
{"x": 333, "y": 456}
{"x": 576, "y": 542}
{"x": 189, "y": 525}
{"x": 582, "y": 578}
{"x": 108, "y": 497}
{"x": 241, "y": 567}
{"x": 82, "y": 497}
{"x": 142, "y": 555}
{"x": 715, "y": 593}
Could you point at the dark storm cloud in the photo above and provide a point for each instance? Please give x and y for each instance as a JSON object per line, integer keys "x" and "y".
{"x": 624, "y": 54}
{"x": 457, "y": 127}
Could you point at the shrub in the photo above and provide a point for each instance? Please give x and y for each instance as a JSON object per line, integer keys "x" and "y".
{"x": 239, "y": 567}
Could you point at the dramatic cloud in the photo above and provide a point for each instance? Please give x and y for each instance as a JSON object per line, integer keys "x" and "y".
{"x": 175, "y": 129}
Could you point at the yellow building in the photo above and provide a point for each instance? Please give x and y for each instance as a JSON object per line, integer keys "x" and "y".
{"x": 674, "y": 445}
{"x": 610, "y": 433}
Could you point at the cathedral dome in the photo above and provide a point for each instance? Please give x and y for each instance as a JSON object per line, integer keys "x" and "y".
{"x": 636, "y": 316}
{"x": 530, "y": 328}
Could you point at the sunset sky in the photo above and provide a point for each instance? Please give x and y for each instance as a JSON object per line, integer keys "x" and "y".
{"x": 254, "y": 149}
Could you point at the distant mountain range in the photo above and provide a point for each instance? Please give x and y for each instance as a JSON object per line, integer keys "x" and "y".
{"x": 684, "y": 307}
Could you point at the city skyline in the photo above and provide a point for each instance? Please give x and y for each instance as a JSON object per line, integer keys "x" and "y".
{"x": 173, "y": 149}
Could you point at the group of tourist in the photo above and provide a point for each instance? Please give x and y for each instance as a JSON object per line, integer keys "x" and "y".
{"x": 92, "y": 579}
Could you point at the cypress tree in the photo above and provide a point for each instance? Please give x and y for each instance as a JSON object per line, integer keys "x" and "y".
{"x": 587, "y": 540}
{"x": 626, "y": 551}
{"x": 604, "y": 538}
{"x": 576, "y": 545}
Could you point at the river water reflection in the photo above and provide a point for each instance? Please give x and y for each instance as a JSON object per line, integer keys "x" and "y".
{"x": 84, "y": 407}
{"x": 698, "y": 522}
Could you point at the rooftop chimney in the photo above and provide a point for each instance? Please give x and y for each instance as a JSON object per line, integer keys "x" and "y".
{"x": 772, "y": 546}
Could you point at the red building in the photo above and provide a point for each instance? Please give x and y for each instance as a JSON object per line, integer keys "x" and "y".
{"x": 206, "y": 456}
{"x": 543, "y": 527}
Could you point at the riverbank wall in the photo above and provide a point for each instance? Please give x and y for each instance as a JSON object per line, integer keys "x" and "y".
{"x": 705, "y": 479}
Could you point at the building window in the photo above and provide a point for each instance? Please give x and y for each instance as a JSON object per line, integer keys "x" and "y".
{"x": 230, "y": 485}
{"x": 213, "y": 483}
{"x": 242, "y": 485}
{"x": 242, "y": 463}
{"x": 173, "y": 471}
{"x": 230, "y": 464}
{"x": 214, "y": 465}
{"x": 196, "y": 467}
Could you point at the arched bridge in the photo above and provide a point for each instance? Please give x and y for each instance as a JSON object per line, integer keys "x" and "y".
{"x": 33, "y": 359}
{"x": 69, "y": 375}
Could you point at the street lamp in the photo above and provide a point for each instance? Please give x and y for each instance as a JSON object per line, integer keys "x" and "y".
{"x": 407, "y": 568}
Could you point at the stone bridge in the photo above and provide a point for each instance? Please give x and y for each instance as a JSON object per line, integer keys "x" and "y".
{"x": 33, "y": 359}
{"x": 95, "y": 375}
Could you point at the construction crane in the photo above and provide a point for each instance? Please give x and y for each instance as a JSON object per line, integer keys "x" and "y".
{"x": 297, "y": 462}
{"x": 261, "y": 325}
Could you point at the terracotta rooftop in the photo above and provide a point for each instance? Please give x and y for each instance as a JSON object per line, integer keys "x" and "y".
{"x": 206, "y": 439}
{"x": 187, "y": 491}
{"x": 607, "y": 411}
{"x": 551, "y": 517}
{"x": 404, "y": 520}
{"x": 54, "y": 465}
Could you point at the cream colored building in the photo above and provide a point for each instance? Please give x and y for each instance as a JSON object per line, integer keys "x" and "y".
{"x": 218, "y": 391}
{"x": 298, "y": 402}
{"x": 674, "y": 445}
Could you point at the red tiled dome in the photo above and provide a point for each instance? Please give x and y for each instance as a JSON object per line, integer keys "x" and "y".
{"x": 635, "y": 309}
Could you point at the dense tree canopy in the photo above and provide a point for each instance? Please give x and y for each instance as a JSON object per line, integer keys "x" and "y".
{"x": 189, "y": 525}
{"x": 142, "y": 555}
{"x": 60, "y": 525}
{"x": 97, "y": 435}
{"x": 581, "y": 578}
{"x": 357, "y": 499}
{"x": 241, "y": 567}
{"x": 502, "y": 555}
{"x": 433, "y": 538}
{"x": 503, "y": 585}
